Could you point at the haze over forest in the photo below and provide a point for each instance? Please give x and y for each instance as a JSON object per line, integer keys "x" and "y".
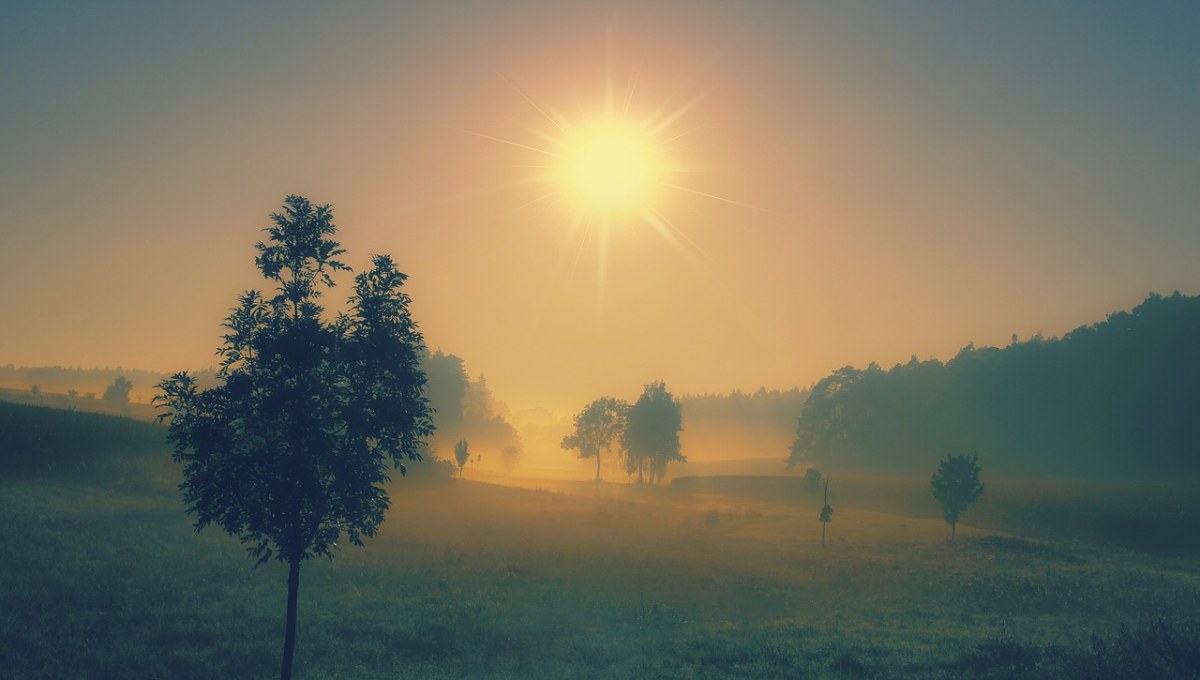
{"x": 653, "y": 340}
{"x": 1107, "y": 400}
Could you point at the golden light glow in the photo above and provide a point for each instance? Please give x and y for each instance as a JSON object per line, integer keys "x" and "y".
{"x": 608, "y": 167}
{"x": 610, "y": 170}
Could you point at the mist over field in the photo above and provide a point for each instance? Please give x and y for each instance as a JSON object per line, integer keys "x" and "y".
{"x": 523, "y": 565}
{"x": 600, "y": 340}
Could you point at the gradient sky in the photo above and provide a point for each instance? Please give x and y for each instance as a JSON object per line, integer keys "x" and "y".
{"x": 892, "y": 179}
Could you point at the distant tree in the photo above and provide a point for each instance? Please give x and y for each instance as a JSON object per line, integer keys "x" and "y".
{"x": 290, "y": 449}
{"x": 510, "y": 456}
{"x": 462, "y": 455}
{"x": 446, "y": 388}
{"x": 651, "y": 437}
{"x": 117, "y": 393}
{"x": 812, "y": 480}
{"x": 598, "y": 427}
{"x": 826, "y": 512}
{"x": 464, "y": 408}
{"x": 956, "y": 486}
{"x": 36, "y": 391}
{"x": 73, "y": 393}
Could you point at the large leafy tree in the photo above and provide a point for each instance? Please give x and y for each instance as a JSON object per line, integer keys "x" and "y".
{"x": 598, "y": 427}
{"x": 956, "y": 485}
{"x": 291, "y": 449}
{"x": 651, "y": 437}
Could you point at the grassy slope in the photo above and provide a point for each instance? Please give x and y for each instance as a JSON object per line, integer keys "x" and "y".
{"x": 140, "y": 411}
{"x": 1152, "y": 517}
{"x": 51, "y": 442}
{"x": 470, "y": 580}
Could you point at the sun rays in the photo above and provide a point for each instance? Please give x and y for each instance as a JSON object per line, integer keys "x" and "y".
{"x": 609, "y": 164}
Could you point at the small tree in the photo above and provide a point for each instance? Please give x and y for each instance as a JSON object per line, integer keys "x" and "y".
{"x": 290, "y": 450}
{"x": 598, "y": 427}
{"x": 36, "y": 390}
{"x": 462, "y": 455}
{"x": 956, "y": 486}
{"x": 826, "y": 512}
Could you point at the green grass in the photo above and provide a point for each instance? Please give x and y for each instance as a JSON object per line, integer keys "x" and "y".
{"x": 1151, "y": 517}
{"x": 42, "y": 442}
{"x": 474, "y": 581}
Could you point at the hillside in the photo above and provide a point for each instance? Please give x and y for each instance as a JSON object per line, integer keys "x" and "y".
{"x": 42, "y": 442}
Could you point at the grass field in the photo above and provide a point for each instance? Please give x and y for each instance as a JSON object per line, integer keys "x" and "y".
{"x": 470, "y": 580}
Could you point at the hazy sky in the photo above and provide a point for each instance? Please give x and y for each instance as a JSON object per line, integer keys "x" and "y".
{"x": 851, "y": 182}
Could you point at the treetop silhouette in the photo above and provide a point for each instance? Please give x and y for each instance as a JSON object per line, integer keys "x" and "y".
{"x": 290, "y": 450}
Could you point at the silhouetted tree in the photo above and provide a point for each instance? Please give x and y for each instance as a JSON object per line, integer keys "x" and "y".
{"x": 651, "y": 437}
{"x": 117, "y": 393}
{"x": 826, "y": 512}
{"x": 36, "y": 391}
{"x": 597, "y": 427}
{"x": 462, "y": 455}
{"x": 956, "y": 485}
{"x": 290, "y": 449}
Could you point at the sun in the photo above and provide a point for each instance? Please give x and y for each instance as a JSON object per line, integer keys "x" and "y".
{"x": 608, "y": 167}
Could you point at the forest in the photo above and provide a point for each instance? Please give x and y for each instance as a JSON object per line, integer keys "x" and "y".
{"x": 1115, "y": 399}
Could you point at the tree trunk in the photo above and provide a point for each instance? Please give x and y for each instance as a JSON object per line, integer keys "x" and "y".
{"x": 597, "y": 465}
{"x": 289, "y": 639}
{"x": 822, "y": 534}
{"x": 952, "y": 527}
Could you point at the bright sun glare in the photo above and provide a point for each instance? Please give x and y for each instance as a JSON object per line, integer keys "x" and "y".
{"x": 607, "y": 168}
{"x": 612, "y": 168}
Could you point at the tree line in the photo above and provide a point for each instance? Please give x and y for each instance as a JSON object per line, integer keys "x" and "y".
{"x": 740, "y": 424}
{"x": 1112, "y": 399}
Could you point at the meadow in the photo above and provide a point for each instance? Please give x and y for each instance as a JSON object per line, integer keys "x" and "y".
{"x": 104, "y": 577}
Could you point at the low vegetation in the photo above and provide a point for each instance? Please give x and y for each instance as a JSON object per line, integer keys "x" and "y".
{"x": 471, "y": 580}
{"x": 38, "y": 442}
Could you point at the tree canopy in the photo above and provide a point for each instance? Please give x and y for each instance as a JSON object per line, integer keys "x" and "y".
{"x": 290, "y": 450}
{"x": 1113, "y": 399}
{"x": 598, "y": 427}
{"x": 956, "y": 486}
{"x": 651, "y": 436}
